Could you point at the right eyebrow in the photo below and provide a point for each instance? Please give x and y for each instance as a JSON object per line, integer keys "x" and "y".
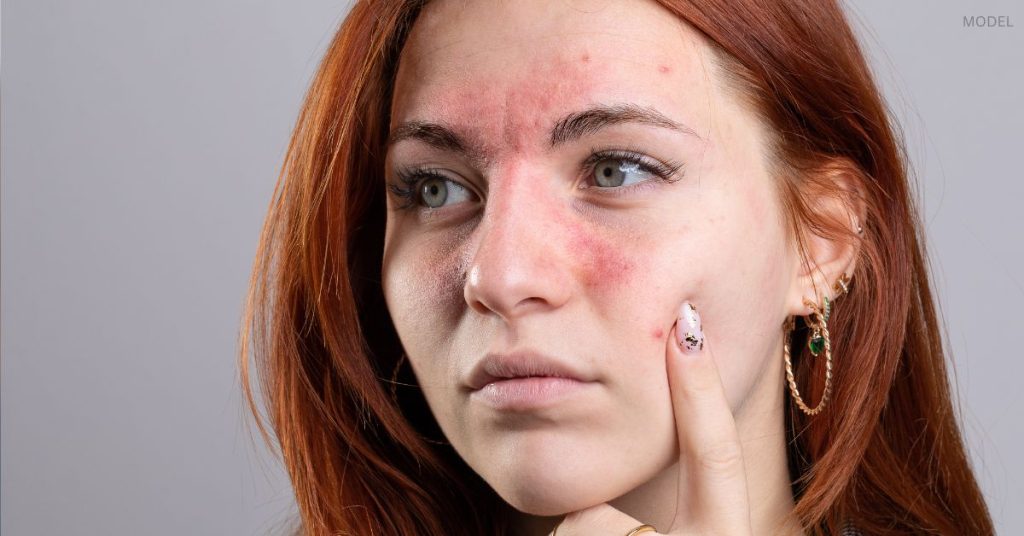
{"x": 436, "y": 135}
{"x": 569, "y": 128}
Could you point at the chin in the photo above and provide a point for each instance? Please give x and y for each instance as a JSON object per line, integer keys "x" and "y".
{"x": 545, "y": 503}
{"x": 553, "y": 489}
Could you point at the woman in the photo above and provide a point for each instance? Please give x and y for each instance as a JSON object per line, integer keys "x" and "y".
{"x": 603, "y": 268}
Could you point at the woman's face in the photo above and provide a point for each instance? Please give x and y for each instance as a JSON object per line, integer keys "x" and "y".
{"x": 532, "y": 243}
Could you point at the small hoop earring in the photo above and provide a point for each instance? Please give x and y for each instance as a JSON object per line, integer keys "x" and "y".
{"x": 818, "y": 341}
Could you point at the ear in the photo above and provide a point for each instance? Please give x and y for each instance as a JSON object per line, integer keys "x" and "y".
{"x": 833, "y": 195}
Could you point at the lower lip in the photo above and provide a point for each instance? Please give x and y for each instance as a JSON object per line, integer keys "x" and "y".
{"x": 524, "y": 394}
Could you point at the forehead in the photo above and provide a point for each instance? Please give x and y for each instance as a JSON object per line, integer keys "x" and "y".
{"x": 505, "y": 71}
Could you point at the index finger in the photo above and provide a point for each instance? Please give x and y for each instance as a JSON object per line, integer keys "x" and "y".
{"x": 713, "y": 490}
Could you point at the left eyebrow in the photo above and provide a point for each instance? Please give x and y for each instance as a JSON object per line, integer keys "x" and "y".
{"x": 567, "y": 129}
{"x": 578, "y": 124}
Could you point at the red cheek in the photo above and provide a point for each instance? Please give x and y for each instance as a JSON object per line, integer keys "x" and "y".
{"x": 602, "y": 264}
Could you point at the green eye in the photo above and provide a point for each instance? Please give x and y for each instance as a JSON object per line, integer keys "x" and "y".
{"x": 437, "y": 191}
{"x": 434, "y": 192}
{"x": 613, "y": 172}
{"x": 428, "y": 188}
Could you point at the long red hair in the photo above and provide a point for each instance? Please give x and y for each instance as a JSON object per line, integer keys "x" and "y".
{"x": 364, "y": 453}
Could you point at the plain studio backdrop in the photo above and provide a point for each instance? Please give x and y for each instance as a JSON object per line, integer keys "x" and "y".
{"x": 141, "y": 142}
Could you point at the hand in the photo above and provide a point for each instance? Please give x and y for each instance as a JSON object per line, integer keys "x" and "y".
{"x": 713, "y": 485}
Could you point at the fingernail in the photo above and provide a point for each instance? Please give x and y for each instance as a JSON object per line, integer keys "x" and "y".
{"x": 688, "y": 329}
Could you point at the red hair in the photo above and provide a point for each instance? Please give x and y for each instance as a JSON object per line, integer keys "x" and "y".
{"x": 363, "y": 451}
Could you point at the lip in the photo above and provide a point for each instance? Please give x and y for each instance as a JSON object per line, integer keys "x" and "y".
{"x": 524, "y": 380}
{"x": 495, "y": 367}
{"x": 526, "y": 394}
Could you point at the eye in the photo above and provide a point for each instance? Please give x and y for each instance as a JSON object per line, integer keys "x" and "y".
{"x": 436, "y": 191}
{"x": 428, "y": 188}
{"x": 615, "y": 172}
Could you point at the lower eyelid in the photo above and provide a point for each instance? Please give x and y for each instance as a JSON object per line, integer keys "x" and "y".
{"x": 624, "y": 190}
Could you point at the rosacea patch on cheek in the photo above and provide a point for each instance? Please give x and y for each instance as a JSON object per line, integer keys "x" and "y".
{"x": 603, "y": 263}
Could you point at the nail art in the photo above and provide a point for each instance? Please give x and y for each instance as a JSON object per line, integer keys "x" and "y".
{"x": 689, "y": 330}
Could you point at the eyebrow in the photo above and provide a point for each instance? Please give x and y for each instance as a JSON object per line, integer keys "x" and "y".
{"x": 567, "y": 129}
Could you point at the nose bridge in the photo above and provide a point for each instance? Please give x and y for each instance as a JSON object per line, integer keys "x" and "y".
{"x": 518, "y": 262}
{"x": 520, "y": 203}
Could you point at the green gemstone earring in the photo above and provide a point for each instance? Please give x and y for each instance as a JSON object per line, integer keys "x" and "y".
{"x": 818, "y": 342}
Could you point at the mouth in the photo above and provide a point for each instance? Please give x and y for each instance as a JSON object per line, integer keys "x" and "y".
{"x": 524, "y": 380}
{"x": 527, "y": 394}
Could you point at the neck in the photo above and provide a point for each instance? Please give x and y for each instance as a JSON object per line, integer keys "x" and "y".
{"x": 761, "y": 426}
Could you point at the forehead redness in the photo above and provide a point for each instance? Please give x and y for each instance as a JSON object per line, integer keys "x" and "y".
{"x": 505, "y": 78}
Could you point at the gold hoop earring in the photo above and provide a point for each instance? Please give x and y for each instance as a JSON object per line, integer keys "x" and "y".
{"x": 818, "y": 341}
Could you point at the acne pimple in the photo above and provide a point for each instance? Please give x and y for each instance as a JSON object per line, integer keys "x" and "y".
{"x": 585, "y": 58}
{"x": 658, "y": 333}
{"x": 664, "y": 69}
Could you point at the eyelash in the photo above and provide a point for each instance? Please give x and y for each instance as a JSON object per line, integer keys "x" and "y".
{"x": 412, "y": 177}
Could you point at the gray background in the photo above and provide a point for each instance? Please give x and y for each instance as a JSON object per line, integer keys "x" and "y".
{"x": 141, "y": 140}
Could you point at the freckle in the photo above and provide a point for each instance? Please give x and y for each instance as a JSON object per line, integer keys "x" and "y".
{"x": 663, "y": 69}
{"x": 658, "y": 333}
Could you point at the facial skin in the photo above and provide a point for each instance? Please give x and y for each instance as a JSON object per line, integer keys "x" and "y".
{"x": 529, "y": 254}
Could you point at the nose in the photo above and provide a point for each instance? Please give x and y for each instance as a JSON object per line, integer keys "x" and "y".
{"x": 519, "y": 263}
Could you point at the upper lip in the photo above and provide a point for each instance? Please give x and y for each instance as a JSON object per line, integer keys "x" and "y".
{"x": 519, "y": 364}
